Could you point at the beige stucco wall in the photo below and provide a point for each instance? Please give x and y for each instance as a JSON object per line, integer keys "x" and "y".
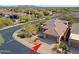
{"x": 74, "y": 40}
{"x": 74, "y": 36}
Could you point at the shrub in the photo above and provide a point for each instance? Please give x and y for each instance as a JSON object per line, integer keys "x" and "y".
{"x": 31, "y": 28}
{"x": 64, "y": 45}
{"x": 55, "y": 47}
{"x": 25, "y": 18}
{"x": 5, "y": 22}
{"x": 24, "y": 34}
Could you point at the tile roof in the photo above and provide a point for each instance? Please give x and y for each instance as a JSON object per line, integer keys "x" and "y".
{"x": 55, "y": 27}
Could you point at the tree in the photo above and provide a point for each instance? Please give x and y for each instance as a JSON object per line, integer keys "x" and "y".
{"x": 6, "y": 21}
{"x": 41, "y": 14}
{"x": 48, "y": 18}
{"x": 71, "y": 19}
{"x": 46, "y": 13}
{"x": 31, "y": 28}
{"x": 63, "y": 17}
{"x": 25, "y": 18}
{"x": 67, "y": 17}
{"x": 23, "y": 34}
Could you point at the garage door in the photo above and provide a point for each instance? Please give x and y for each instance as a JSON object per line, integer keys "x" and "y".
{"x": 51, "y": 37}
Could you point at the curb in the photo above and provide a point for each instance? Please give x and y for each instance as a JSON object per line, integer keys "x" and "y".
{"x": 21, "y": 41}
{"x": 11, "y": 26}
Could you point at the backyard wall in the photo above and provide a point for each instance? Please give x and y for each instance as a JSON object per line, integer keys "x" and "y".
{"x": 74, "y": 40}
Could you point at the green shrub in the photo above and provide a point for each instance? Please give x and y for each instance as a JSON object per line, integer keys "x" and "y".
{"x": 24, "y": 34}
{"x": 31, "y": 28}
{"x": 5, "y": 22}
{"x": 64, "y": 45}
{"x": 25, "y": 18}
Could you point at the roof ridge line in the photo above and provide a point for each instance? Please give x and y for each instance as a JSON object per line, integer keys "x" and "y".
{"x": 56, "y": 31}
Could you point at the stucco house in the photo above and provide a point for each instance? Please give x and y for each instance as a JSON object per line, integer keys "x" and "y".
{"x": 54, "y": 29}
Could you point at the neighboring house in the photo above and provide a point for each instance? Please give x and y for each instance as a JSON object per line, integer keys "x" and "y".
{"x": 54, "y": 29}
{"x": 74, "y": 37}
{"x": 13, "y": 17}
{"x": 6, "y": 16}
